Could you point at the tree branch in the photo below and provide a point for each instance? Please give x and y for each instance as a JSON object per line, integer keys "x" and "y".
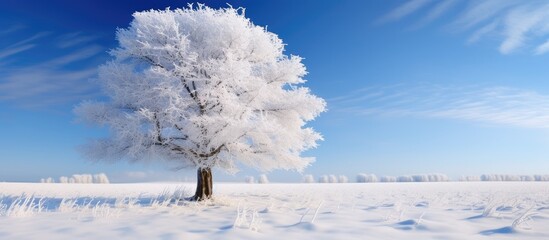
{"x": 210, "y": 154}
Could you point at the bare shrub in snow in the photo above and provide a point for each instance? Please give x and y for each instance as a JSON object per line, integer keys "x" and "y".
{"x": 263, "y": 179}
{"x": 308, "y": 178}
{"x": 203, "y": 88}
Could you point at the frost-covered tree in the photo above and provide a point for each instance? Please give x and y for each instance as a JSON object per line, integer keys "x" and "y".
{"x": 101, "y": 178}
{"x": 263, "y": 179}
{"x": 366, "y": 178}
{"x": 308, "y": 178}
{"x": 203, "y": 88}
{"x": 323, "y": 179}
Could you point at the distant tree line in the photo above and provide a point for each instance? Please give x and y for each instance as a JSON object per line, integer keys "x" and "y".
{"x": 80, "y": 178}
{"x": 434, "y": 177}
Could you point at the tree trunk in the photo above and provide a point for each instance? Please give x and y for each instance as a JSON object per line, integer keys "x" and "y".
{"x": 204, "y": 184}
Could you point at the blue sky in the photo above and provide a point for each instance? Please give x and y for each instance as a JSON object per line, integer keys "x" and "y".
{"x": 455, "y": 87}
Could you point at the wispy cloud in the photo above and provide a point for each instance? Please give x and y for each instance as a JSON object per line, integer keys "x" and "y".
{"x": 72, "y": 57}
{"x": 518, "y": 23}
{"x": 403, "y": 10}
{"x": 494, "y": 105}
{"x": 31, "y": 38}
{"x": 42, "y": 84}
{"x": 15, "y": 50}
{"x": 60, "y": 79}
{"x": 479, "y": 12}
{"x": 522, "y": 23}
{"x": 22, "y": 45}
{"x": 74, "y": 39}
{"x": 543, "y": 48}
{"x": 11, "y": 29}
{"x": 436, "y": 12}
{"x": 482, "y": 32}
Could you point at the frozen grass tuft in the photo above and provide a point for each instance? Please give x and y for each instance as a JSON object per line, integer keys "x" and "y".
{"x": 168, "y": 196}
{"x": 67, "y": 205}
{"x": 104, "y": 211}
{"x": 522, "y": 220}
{"x": 22, "y": 206}
{"x": 247, "y": 218}
{"x": 490, "y": 210}
{"x": 97, "y": 208}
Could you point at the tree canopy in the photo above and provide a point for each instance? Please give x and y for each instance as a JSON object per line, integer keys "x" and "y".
{"x": 202, "y": 87}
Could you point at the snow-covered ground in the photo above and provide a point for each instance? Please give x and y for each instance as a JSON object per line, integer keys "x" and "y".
{"x": 445, "y": 210}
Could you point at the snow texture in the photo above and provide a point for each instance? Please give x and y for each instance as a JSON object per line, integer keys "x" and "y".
{"x": 426, "y": 210}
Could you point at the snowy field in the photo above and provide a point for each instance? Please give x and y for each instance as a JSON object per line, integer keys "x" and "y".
{"x": 447, "y": 210}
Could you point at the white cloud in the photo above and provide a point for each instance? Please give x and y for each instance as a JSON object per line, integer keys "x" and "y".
{"x": 494, "y": 105}
{"x": 521, "y": 23}
{"x": 518, "y": 23}
{"x": 543, "y": 48}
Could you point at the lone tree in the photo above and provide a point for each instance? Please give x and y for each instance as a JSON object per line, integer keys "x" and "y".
{"x": 203, "y": 88}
